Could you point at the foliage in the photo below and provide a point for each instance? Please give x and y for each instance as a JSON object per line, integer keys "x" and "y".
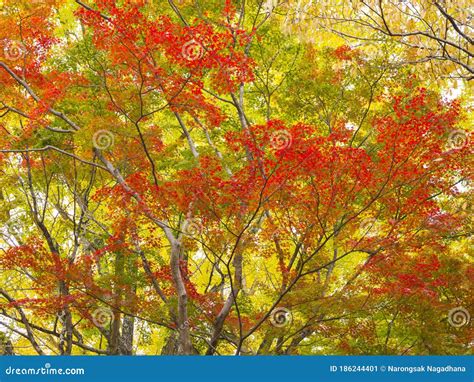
{"x": 190, "y": 177}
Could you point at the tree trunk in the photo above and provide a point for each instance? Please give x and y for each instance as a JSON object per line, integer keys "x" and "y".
{"x": 184, "y": 340}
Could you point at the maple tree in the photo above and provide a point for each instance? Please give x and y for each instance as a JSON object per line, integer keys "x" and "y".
{"x": 190, "y": 177}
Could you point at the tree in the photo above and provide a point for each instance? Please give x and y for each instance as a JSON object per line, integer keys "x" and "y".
{"x": 185, "y": 179}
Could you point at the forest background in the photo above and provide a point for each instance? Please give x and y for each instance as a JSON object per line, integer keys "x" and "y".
{"x": 236, "y": 177}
